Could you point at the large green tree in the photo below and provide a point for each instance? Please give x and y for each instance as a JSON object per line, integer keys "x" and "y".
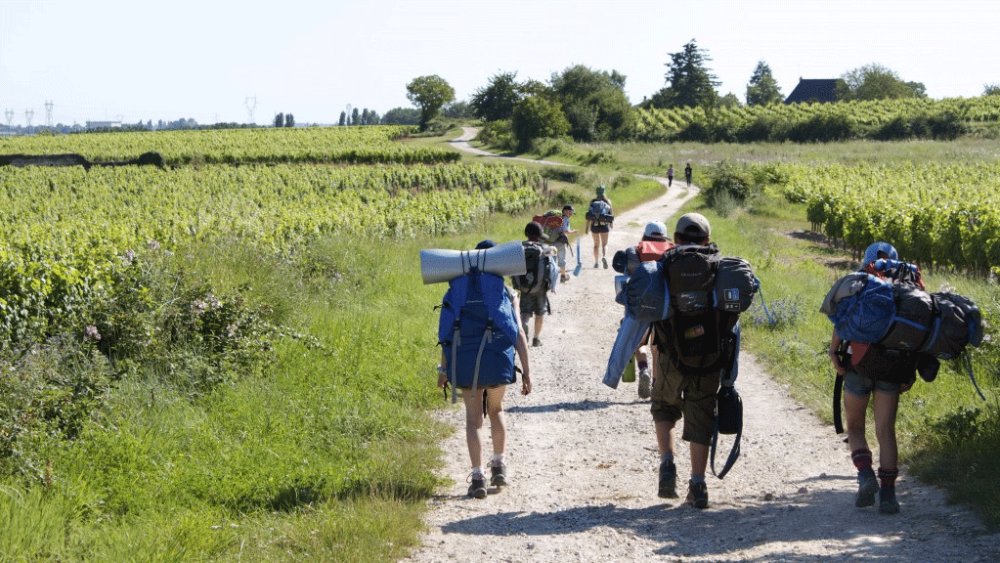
{"x": 689, "y": 80}
{"x": 537, "y": 117}
{"x": 594, "y": 103}
{"x": 876, "y": 82}
{"x": 763, "y": 88}
{"x": 497, "y": 99}
{"x": 429, "y": 93}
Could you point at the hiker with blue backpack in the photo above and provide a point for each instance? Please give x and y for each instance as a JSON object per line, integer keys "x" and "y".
{"x": 600, "y": 218}
{"x": 698, "y": 342}
{"x": 479, "y": 334}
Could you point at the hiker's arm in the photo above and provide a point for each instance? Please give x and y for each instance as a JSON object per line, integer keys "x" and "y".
{"x": 443, "y": 369}
{"x": 586, "y": 229}
{"x": 522, "y": 352}
{"x": 834, "y": 347}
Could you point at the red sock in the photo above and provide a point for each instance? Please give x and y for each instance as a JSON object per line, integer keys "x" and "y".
{"x": 887, "y": 477}
{"x": 862, "y": 459}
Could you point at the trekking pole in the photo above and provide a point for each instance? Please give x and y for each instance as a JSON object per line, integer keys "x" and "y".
{"x": 972, "y": 376}
{"x": 763, "y": 302}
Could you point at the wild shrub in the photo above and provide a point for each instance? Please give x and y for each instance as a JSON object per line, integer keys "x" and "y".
{"x": 730, "y": 185}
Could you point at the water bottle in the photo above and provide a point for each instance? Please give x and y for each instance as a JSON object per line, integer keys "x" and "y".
{"x": 629, "y": 375}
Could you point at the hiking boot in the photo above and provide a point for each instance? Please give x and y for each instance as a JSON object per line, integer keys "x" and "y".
{"x": 498, "y": 475}
{"x": 697, "y": 494}
{"x": 867, "y": 487}
{"x": 477, "y": 486}
{"x": 645, "y": 383}
{"x": 668, "y": 481}
{"x": 564, "y": 278}
{"x": 605, "y": 262}
{"x": 887, "y": 503}
{"x": 536, "y": 342}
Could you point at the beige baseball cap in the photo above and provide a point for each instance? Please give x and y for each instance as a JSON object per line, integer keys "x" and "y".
{"x": 693, "y": 225}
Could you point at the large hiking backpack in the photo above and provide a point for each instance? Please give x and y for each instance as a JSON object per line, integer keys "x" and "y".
{"x": 477, "y": 329}
{"x": 600, "y": 213}
{"x": 707, "y": 295}
{"x": 551, "y": 222}
{"x": 900, "y": 316}
{"x": 542, "y": 273}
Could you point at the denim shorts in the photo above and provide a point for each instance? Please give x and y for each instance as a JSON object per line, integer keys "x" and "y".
{"x": 861, "y": 385}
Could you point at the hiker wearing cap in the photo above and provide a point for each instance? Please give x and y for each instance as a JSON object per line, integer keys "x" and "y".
{"x": 697, "y": 349}
{"x": 896, "y": 374}
{"x": 562, "y": 240}
{"x": 486, "y": 400}
{"x": 600, "y": 217}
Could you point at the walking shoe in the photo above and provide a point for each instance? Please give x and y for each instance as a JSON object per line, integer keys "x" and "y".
{"x": 605, "y": 261}
{"x": 477, "y": 486}
{"x": 596, "y": 265}
{"x": 867, "y": 487}
{"x": 645, "y": 383}
{"x": 697, "y": 494}
{"x": 536, "y": 342}
{"x": 887, "y": 503}
{"x": 498, "y": 475}
{"x": 564, "y": 278}
{"x": 668, "y": 481}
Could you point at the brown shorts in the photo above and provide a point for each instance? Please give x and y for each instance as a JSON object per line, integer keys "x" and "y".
{"x": 691, "y": 396}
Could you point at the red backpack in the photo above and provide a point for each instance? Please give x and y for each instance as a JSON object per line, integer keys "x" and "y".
{"x": 652, "y": 250}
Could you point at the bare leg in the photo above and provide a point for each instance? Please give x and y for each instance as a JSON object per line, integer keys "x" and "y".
{"x": 855, "y": 407}
{"x": 539, "y": 319}
{"x": 498, "y": 426}
{"x": 473, "y": 424}
{"x": 604, "y": 244}
{"x": 665, "y": 437}
{"x": 885, "y": 406}
{"x": 597, "y": 246}
{"x": 699, "y": 459}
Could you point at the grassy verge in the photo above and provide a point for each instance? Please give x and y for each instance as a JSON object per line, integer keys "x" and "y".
{"x": 947, "y": 435}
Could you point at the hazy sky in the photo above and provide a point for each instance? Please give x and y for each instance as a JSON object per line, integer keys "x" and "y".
{"x": 132, "y": 59}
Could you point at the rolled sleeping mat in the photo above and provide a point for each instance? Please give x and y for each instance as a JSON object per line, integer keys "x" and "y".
{"x": 441, "y": 265}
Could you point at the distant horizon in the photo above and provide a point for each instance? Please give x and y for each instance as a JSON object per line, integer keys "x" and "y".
{"x": 110, "y": 60}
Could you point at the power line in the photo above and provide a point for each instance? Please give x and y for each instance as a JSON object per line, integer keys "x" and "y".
{"x": 251, "y": 103}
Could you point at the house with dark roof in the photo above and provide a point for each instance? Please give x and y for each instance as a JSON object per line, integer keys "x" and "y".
{"x": 814, "y": 90}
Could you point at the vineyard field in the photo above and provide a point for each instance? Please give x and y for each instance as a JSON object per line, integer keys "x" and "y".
{"x": 351, "y": 145}
{"x": 841, "y": 120}
{"x": 935, "y": 214}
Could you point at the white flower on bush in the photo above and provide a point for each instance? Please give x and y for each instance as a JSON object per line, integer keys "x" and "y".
{"x": 128, "y": 258}
{"x": 91, "y": 333}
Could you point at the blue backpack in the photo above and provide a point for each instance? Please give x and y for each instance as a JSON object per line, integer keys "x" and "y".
{"x": 478, "y": 328}
{"x": 861, "y": 307}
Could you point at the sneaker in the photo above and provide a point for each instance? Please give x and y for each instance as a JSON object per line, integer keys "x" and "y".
{"x": 887, "y": 503}
{"x": 536, "y": 342}
{"x": 645, "y": 383}
{"x": 605, "y": 261}
{"x": 697, "y": 494}
{"x": 498, "y": 475}
{"x": 668, "y": 481}
{"x": 564, "y": 278}
{"x": 595, "y": 265}
{"x": 867, "y": 487}
{"x": 477, "y": 486}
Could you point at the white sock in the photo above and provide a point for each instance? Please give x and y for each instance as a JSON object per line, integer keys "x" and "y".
{"x": 477, "y": 472}
{"x": 497, "y": 460}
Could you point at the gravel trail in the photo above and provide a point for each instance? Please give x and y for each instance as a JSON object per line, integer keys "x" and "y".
{"x": 582, "y": 461}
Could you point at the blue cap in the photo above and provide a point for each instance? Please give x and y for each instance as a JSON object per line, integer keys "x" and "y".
{"x": 876, "y": 249}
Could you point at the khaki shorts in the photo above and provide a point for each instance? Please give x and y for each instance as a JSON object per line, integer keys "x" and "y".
{"x": 689, "y": 396}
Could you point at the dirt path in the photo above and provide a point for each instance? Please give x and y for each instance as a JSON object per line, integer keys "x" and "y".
{"x": 582, "y": 460}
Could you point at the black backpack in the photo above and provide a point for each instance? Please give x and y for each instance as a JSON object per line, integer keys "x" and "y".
{"x": 540, "y": 270}
{"x": 697, "y": 335}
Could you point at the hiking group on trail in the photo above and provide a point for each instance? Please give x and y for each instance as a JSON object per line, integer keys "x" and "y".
{"x": 682, "y": 303}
